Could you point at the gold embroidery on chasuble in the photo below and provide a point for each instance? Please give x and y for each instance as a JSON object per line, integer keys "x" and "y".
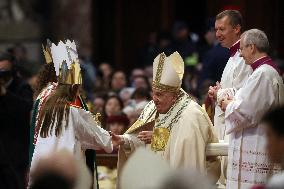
{"x": 145, "y": 117}
{"x": 160, "y": 139}
{"x": 163, "y": 126}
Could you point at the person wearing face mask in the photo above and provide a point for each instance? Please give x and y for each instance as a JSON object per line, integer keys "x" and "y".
{"x": 14, "y": 130}
{"x": 10, "y": 80}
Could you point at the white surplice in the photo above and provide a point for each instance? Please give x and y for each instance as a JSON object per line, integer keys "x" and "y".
{"x": 247, "y": 159}
{"x": 81, "y": 133}
{"x": 190, "y": 131}
{"x": 235, "y": 73}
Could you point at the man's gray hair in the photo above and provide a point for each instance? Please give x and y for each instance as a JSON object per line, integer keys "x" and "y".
{"x": 256, "y": 37}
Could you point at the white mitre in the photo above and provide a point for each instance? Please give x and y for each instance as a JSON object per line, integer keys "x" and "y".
{"x": 168, "y": 72}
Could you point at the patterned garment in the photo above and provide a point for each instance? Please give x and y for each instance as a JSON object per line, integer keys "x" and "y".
{"x": 234, "y": 76}
{"x": 42, "y": 98}
{"x": 81, "y": 133}
{"x": 34, "y": 129}
{"x": 34, "y": 120}
{"x": 248, "y": 162}
{"x": 190, "y": 131}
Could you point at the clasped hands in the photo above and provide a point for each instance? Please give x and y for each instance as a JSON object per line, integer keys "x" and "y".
{"x": 223, "y": 102}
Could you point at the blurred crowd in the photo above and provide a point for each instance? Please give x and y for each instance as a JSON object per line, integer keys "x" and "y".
{"x": 118, "y": 96}
{"x": 113, "y": 92}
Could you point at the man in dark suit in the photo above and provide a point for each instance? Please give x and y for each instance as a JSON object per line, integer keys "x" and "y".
{"x": 15, "y": 107}
{"x": 11, "y": 81}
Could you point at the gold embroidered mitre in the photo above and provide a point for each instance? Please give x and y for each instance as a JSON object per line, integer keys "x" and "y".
{"x": 168, "y": 72}
{"x": 66, "y": 62}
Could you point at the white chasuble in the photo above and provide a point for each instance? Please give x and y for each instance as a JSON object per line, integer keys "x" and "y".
{"x": 190, "y": 131}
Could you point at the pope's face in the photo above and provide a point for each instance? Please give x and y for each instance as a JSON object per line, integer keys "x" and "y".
{"x": 163, "y": 100}
{"x": 225, "y": 32}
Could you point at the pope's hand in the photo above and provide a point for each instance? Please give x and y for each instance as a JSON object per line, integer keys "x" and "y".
{"x": 116, "y": 140}
{"x": 145, "y": 136}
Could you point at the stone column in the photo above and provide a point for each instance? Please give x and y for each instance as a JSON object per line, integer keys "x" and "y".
{"x": 72, "y": 19}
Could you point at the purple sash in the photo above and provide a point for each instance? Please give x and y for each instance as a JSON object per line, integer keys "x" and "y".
{"x": 234, "y": 49}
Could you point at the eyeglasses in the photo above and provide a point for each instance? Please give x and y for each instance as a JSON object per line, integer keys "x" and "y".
{"x": 242, "y": 48}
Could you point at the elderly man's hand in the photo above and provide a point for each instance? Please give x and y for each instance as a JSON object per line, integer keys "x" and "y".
{"x": 212, "y": 93}
{"x": 145, "y": 136}
{"x": 224, "y": 102}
